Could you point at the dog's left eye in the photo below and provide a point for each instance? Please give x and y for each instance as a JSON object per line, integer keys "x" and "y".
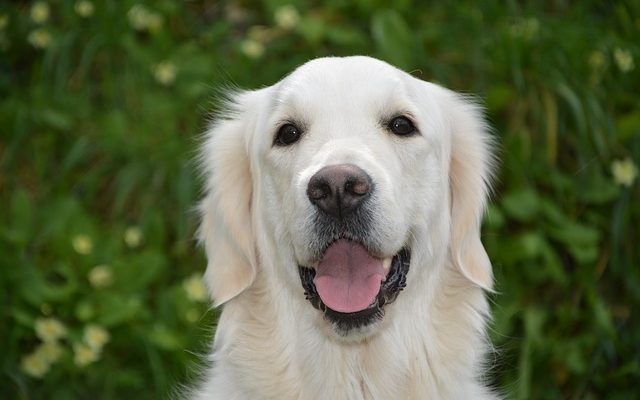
{"x": 402, "y": 126}
{"x": 287, "y": 134}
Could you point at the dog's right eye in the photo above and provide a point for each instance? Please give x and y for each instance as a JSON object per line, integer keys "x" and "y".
{"x": 287, "y": 135}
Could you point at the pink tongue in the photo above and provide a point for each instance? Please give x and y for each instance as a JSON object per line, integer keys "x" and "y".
{"x": 348, "y": 278}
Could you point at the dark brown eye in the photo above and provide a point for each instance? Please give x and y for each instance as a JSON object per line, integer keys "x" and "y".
{"x": 402, "y": 126}
{"x": 287, "y": 134}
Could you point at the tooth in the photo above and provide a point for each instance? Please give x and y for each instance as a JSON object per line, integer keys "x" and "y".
{"x": 386, "y": 263}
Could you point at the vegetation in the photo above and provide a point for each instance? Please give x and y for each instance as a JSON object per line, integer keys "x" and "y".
{"x": 101, "y": 107}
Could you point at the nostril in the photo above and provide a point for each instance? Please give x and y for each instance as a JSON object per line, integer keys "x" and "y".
{"x": 318, "y": 189}
{"x": 357, "y": 186}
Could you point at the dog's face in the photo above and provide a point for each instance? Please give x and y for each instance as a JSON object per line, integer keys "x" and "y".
{"x": 338, "y": 173}
{"x": 349, "y": 164}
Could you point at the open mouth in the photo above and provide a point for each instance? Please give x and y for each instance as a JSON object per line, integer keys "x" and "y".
{"x": 351, "y": 286}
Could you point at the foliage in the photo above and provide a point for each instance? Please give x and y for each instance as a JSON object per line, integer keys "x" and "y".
{"x": 101, "y": 105}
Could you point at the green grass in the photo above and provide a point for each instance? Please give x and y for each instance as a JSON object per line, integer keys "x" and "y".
{"x": 99, "y": 123}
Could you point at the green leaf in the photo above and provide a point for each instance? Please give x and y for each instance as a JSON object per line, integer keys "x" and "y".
{"x": 522, "y": 205}
{"x": 394, "y": 38}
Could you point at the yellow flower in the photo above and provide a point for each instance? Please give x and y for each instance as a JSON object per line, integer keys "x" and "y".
{"x": 35, "y": 365}
{"x": 624, "y": 60}
{"x": 96, "y": 337}
{"x": 165, "y": 73}
{"x": 252, "y": 48}
{"x": 287, "y": 17}
{"x": 100, "y": 276}
{"x": 624, "y": 172}
{"x": 195, "y": 288}
{"x": 84, "y": 8}
{"x": 50, "y": 329}
{"x": 40, "y": 12}
{"x": 40, "y": 38}
{"x": 82, "y": 244}
{"x": 50, "y": 352}
{"x": 84, "y": 355}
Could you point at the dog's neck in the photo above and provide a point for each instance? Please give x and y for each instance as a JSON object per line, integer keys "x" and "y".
{"x": 285, "y": 334}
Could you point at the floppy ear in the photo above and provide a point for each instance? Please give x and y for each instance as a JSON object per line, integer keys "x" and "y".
{"x": 470, "y": 170}
{"x": 226, "y": 228}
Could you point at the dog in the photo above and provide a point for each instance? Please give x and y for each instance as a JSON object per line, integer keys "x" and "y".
{"x": 341, "y": 223}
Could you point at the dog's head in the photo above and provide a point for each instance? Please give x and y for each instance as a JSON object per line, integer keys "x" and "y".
{"x": 334, "y": 179}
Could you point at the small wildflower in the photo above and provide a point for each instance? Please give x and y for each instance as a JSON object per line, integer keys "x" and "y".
{"x": 40, "y": 38}
{"x": 142, "y": 19}
{"x": 624, "y": 60}
{"x": 39, "y": 12}
{"x": 252, "y": 48}
{"x": 165, "y": 74}
{"x": 82, "y": 244}
{"x": 133, "y": 236}
{"x": 624, "y": 172}
{"x": 287, "y": 17}
{"x": 100, "y": 276}
{"x": 196, "y": 291}
{"x": 51, "y": 351}
{"x": 96, "y": 336}
{"x": 4, "y": 21}
{"x": 84, "y": 355}
{"x": 50, "y": 329}
{"x": 34, "y": 365}
{"x": 84, "y": 8}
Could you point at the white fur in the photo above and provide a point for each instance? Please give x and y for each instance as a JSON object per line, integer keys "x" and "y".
{"x": 430, "y": 193}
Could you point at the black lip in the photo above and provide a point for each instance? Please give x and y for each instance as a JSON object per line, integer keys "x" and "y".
{"x": 389, "y": 290}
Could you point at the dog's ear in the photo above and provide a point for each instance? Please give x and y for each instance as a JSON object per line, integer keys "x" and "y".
{"x": 470, "y": 170}
{"x": 226, "y": 229}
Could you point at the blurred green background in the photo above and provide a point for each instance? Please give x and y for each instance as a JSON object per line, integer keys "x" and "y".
{"x": 101, "y": 107}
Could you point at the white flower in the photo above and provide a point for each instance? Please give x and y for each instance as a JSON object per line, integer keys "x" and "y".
{"x": 50, "y": 351}
{"x": 165, "y": 73}
{"x": 624, "y": 172}
{"x": 39, "y": 12}
{"x": 252, "y": 48}
{"x": 50, "y": 329}
{"x": 142, "y": 19}
{"x": 195, "y": 288}
{"x": 40, "y": 38}
{"x": 287, "y": 17}
{"x": 82, "y": 244}
{"x": 96, "y": 336}
{"x": 35, "y": 365}
{"x": 624, "y": 60}
{"x": 84, "y": 355}
{"x": 84, "y": 8}
{"x": 100, "y": 276}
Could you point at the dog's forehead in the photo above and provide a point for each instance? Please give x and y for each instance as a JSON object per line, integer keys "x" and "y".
{"x": 341, "y": 79}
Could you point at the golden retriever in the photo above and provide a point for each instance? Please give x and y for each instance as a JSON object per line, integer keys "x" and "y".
{"x": 341, "y": 223}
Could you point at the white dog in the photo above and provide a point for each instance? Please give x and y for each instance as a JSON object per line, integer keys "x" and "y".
{"x": 342, "y": 228}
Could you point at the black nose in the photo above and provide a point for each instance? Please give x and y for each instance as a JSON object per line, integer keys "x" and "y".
{"x": 339, "y": 189}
